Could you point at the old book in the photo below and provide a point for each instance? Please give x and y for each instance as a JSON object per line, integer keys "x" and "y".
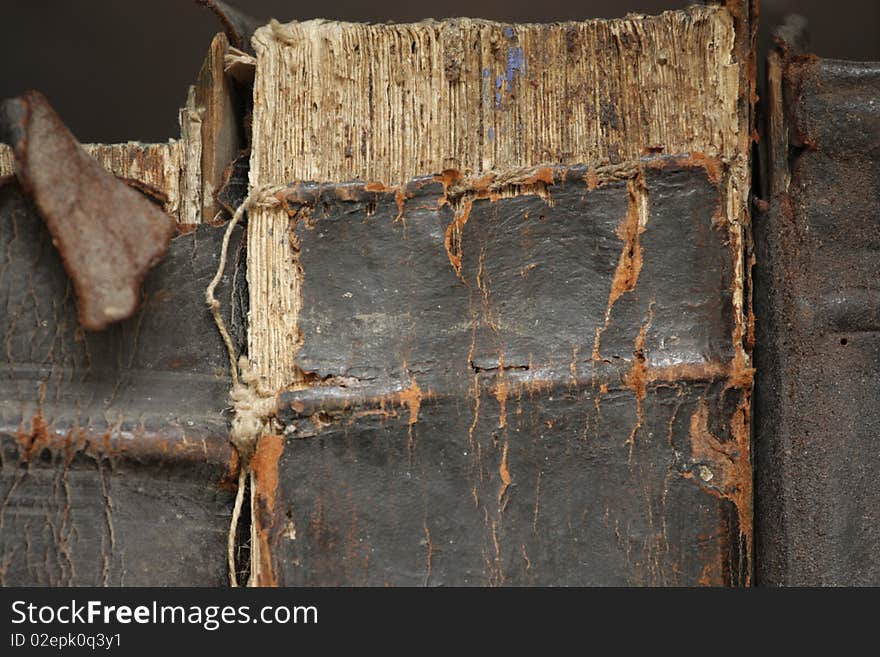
{"x": 497, "y": 295}
{"x": 818, "y": 303}
{"x": 513, "y": 349}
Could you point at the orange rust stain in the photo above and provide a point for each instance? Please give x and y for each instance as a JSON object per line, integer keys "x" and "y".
{"x": 453, "y": 235}
{"x": 266, "y": 577}
{"x": 412, "y": 399}
{"x": 480, "y": 186}
{"x": 707, "y": 371}
{"x": 377, "y": 187}
{"x": 500, "y": 390}
{"x": 264, "y": 466}
{"x": 629, "y": 265}
{"x": 476, "y": 393}
{"x": 106, "y": 443}
{"x": 286, "y": 206}
{"x": 400, "y": 199}
{"x": 504, "y": 472}
{"x": 230, "y": 478}
{"x": 726, "y": 469}
{"x": 712, "y": 165}
{"x": 741, "y": 374}
{"x": 467, "y": 191}
{"x": 697, "y": 160}
{"x": 542, "y": 175}
{"x": 380, "y": 412}
{"x": 711, "y": 574}
{"x": 488, "y": 314}
{"x": 637, "y": 378}
{"x": 545, "y": 175}
{"x": 496, "y": 569}
{"x": 597, "y": 403}
{"x": 597, "y": 355}
{"x": 750, "y": 334}
{"x": 592, "y": 179}
{"x": 535, "y": 385}
{"x": 448, "y": 178}
{"x": 501, "y": 395}
{"x": 34, "y": 441}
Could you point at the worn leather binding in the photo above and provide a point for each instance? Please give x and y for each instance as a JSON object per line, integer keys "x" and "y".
{"x": 469, "y": 425}
{"x": 503, "y": 372}
{"x": 818, "y": 348}
{"x": 114, "y": 450}
{"x": 541, "y": 378}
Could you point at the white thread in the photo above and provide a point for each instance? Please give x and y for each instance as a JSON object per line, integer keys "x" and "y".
{"x": 253, "y": 408}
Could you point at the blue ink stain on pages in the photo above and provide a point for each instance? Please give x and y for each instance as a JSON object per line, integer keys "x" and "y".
{"x": 515, "y": 63}
{"x": 491, "y": 134}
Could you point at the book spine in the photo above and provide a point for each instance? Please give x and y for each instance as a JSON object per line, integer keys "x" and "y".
{"x": 817, "y": 404}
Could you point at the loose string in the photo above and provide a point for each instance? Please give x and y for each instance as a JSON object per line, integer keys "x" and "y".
{"x": 253, "y": 408}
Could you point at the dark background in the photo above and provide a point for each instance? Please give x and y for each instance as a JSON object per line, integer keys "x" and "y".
{"x": 117, "y": 70}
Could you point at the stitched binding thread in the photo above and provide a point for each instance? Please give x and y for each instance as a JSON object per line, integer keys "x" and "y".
{"x": 253, "y": 408}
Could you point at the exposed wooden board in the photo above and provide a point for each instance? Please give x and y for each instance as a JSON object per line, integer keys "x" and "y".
{"x": 190, "y": 120}
{"x": 7, "y": 161}
{"x": 240, "y": 66}
{"x": 156, "y": 166}
{"x": 220, "y": 126}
